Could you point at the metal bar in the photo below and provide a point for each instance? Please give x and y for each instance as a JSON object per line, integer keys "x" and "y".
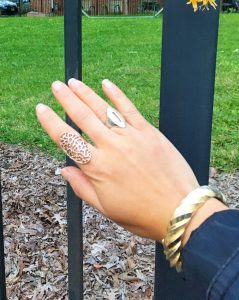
{"x": 187, "y": 90}
{"x": 73, "y": 68}
{"x": 2, "y": 265}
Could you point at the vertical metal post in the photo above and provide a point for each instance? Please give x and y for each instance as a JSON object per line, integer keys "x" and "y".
{"x": 20, "y": 3}
{"x": 2, "y": 265}
{"x": 187, "y": 89}
{"x": 73, "y": 68}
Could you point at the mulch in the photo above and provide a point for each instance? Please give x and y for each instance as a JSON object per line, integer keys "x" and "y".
{"x": 117, "y": 264}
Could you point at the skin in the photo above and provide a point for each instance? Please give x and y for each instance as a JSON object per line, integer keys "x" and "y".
{"x": 136, "y": 177}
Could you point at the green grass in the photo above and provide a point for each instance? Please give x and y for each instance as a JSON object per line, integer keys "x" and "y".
{"x": 123, "y": 50}
{"x": 225, "y": 140}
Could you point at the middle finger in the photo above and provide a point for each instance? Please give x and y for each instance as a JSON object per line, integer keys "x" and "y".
{"x": 90, "y": 98}
{"x": 81, "y": 114}
{"x": 95, "y": 103}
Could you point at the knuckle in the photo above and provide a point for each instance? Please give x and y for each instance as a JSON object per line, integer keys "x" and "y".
{"x": 97, "y": 173}
{"x": 85, "y": 91}
{"x": 48, "y": 116}
{"x": 131, "y": 112}
{"x": 119, "y": 95}
{"x": 101, "y": 111}
{"x": 84, "y": 114}
{"x": 65, "y": 92}
{"x": 100, "y": 171}
{"x": 127, "y": 149}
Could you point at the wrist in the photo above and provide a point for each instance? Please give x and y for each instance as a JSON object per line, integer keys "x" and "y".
{"x": 182, "y": 217}
{"x": 209, "y": 208}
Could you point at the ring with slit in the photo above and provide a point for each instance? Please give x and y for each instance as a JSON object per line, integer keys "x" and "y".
{"x": 114, "y": 118}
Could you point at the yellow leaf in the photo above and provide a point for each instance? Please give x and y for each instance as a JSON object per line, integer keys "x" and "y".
{"x": 204, "y": 4}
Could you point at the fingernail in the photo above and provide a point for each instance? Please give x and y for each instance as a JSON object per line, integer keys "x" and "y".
{"x": 75, "y": 84}
{"x": 65, "y": 173}
{"x": 40, "y": 108}
{"x": 57, "y": 85}
{"x": 107, "y": 83}
{"x": 72, "y": 81}
{"x": 58, "y": 171}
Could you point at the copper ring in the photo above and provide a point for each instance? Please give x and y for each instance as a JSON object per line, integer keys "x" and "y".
{"x": 75, "y": 147}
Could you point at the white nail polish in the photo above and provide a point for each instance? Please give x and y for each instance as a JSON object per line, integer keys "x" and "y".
{"x": 58, "y": 171}
{"x": 40, "y": 108}
{"x": 107, "y": 83}
{"x": 72, "y": 80}
{"x": 57, "y": 85}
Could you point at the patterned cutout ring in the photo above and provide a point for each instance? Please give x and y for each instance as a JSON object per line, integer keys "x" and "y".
{"x": 75, "y": 147}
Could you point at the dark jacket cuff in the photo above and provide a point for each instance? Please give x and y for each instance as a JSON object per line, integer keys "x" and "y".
{"x": 208, "y": 255}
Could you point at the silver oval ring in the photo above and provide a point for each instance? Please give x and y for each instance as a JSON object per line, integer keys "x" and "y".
{"x": 114, "y": 118}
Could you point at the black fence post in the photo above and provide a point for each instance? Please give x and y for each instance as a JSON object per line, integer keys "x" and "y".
{"x": 73, "y": 68}
{"x": 2, "y": 265}
{"x": 186, "y": 102}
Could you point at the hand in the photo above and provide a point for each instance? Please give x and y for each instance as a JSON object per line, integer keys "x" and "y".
{"x": 135, "y": 177}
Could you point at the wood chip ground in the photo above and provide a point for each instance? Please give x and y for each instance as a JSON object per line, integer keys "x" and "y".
{"x": 117, "y": 265}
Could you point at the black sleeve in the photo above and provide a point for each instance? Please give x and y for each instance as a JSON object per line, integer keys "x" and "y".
{"x": 211, "y": 257}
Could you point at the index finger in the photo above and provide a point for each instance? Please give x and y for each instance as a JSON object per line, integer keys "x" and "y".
{"x": 59, "y": 131}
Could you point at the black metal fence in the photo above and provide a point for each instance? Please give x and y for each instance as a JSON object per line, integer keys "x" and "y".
{"x": 2, "y": 265}
{"x": 187, "y": 89}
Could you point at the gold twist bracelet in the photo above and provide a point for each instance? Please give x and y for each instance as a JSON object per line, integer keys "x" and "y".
{"x": 181, "y": 217}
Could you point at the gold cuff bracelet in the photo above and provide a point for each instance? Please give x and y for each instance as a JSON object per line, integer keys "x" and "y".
{"x": 181, "y": 217}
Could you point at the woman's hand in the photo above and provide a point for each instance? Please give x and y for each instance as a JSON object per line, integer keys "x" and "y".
{"x": 135, "y": 177}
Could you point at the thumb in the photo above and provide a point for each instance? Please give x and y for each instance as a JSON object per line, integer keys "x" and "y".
{"x": 81, "y": 185}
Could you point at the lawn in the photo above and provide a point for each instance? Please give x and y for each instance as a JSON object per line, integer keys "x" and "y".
{"x": 126, "y": 51}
